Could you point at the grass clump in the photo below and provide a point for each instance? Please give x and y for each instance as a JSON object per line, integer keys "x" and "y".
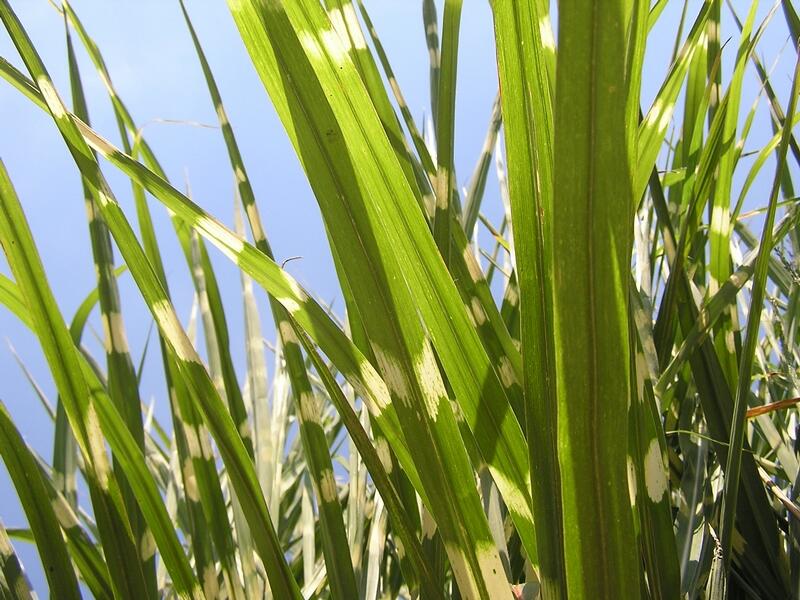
{"x": 599, "y": 403}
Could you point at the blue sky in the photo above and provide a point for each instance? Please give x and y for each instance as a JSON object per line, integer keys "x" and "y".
{"x": 154, "y": 68}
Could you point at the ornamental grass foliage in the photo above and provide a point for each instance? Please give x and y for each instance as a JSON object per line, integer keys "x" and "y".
{"x": 591, "y": 395}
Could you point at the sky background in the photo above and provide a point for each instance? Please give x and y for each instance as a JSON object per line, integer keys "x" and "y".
{"x": 155, "y": 71}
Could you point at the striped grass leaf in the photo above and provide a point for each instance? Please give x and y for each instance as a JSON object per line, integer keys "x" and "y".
{"x": 280, "y": 407}
{"x": 529, "y": 139}
{"x": 430, "y": 20}
{"x": 648, "y": 450}
{"x": 476, "y": 188}
{"x": 223, "y": 375}
{"x": 634, "y": 64}
{"x": 591, "y": 251}
{"x": 714, "y": 46}
{"x": 128, "y": 131}
{"x": 469, "y": 277}
{"x": 433, "y": 549}
{"x": 257, "y": 386}
{"x": 690, "y": 532}
{"x": 14, "y": 583}
{"x": 720, "y": 227}
{"x": 147, "y": 494}
{"x": 200, "y": 469}
{"x": 492, "y": 506}
{"x": 476, "y": 295}
{"x": 207, "y": 514}
{"x": 334, "y": 539}
{"x": 122, "y": 383}
{"x": 125, "y": 122}
{"x": 307, "y": 517}
{"x": 324, "y": 184}
{"x": 653, "y": 128}
{"x": 217, "y": 339}
{"x": 379, "y": 465}
{"x": 345, "y": 21}
{"x": 221, "y": 372}
{"x": 84, "y": 553}
{"x": 408, "y": 119}
{"x": 205, "y": 507}
{"x": 696, "y": 197}
{"x": 81, "y": 316}
{"x": 700, "y": 86}
{"x": 446, "y": 186}
{"x": 41, "y": 517}
{"x": 357, "y": 500}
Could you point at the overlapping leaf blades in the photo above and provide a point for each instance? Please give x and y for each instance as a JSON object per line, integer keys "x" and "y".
{"x": 564, "y": 403}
